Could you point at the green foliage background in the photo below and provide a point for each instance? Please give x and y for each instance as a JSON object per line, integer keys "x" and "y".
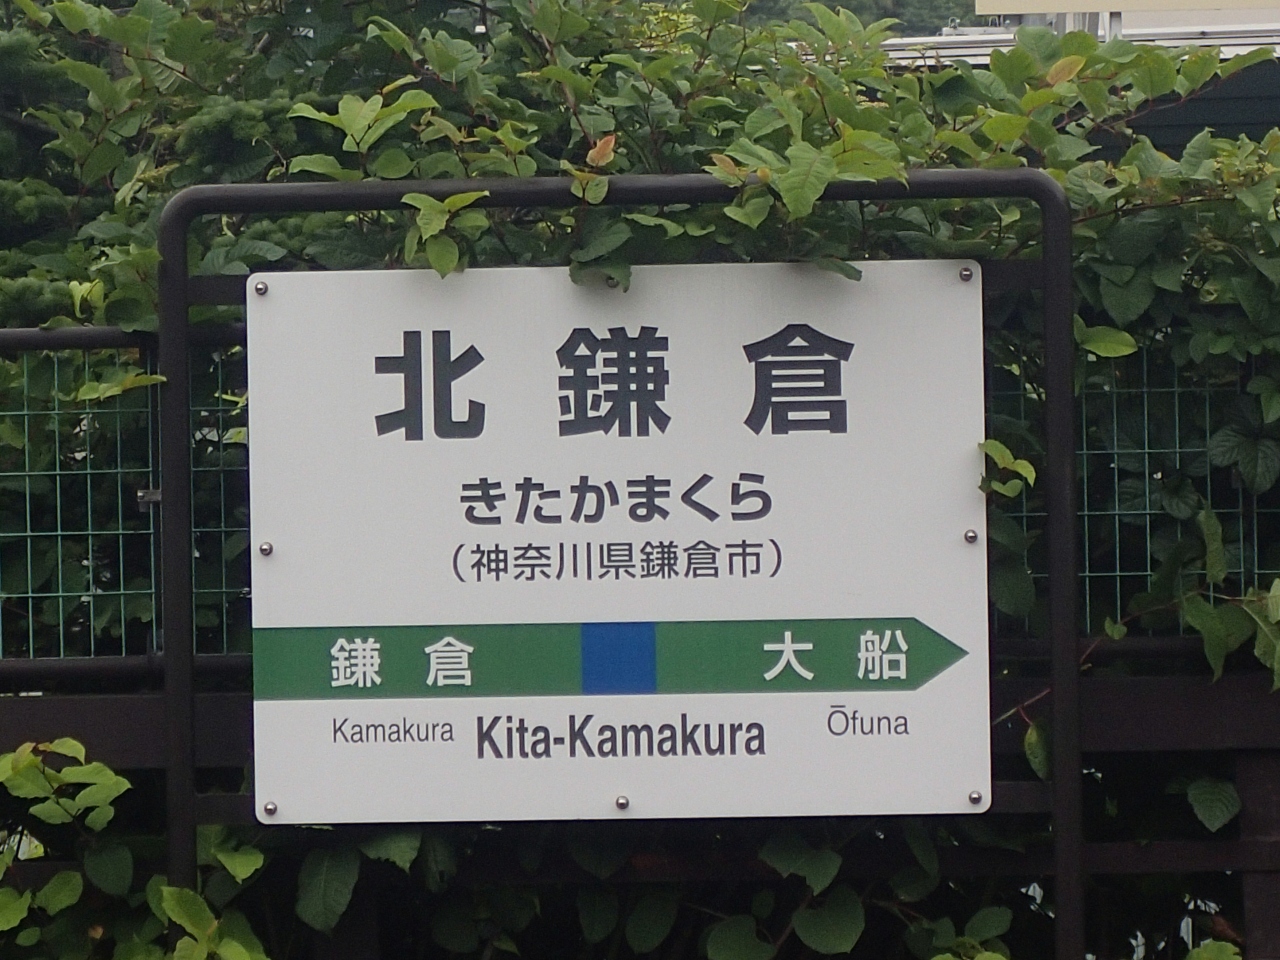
{"x": 105, "y": 112}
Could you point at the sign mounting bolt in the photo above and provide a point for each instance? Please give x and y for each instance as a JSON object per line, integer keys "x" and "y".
{"x": 622, "y": 803}
{"x": 269, "y": 808}
{"x": 966, "y": 274}
{"x": 265, "y": 548}
{"x": 970, "y": 536}
{"x": 975, "y": 797}
{"x": 260, "y": 288}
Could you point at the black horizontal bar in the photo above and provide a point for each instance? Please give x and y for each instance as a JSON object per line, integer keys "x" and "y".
{"x": 15, "y": 671}
{"x": 15, "y": 339}
{"x": 625, "y": 190}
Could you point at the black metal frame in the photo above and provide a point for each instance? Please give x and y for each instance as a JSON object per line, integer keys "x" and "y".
{"x": 179, "y": 291}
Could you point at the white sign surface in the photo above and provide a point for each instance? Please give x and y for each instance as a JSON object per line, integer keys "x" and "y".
{"x": 722, "y": 515}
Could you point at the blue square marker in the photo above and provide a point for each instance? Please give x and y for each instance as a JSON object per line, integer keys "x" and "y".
{"x": 619, "y": 658}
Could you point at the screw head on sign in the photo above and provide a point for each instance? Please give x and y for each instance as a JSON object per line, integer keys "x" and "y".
{"x": 265, "y": 548}
{"x": 975, "y": 798}
{"x": 622, "y": 803}
{"x": 260, "y": 288}
{"x": 971, "y": 536}
{"x": 966, "y": 274}
{"x": 269, "y": 808}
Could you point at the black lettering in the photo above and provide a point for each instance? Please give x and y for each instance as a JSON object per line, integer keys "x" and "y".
{"x": 340, "y": 730}
{"x": 541, "y": 746}
{"x": 718, "y": 749}
{"x": 688, "y": 737}
{"x": 484, "y": 737}
{"x": 522, "y": 731}
{"x": 755, "y": 739}
{"x": 578, "y": 735}
{"x": 734, "y": 730}
{"x": 634, "y": 731}
{"x": 667, "y": 740}
{"x": 607, "y": 745}
{"x": 900, "y": 726}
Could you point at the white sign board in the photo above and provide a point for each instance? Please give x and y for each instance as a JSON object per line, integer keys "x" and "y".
{"x": 525, "y": 548}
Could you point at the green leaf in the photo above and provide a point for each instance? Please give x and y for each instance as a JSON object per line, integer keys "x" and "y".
{"x": 601, "y": 239}
{"x": 105, "y": 157}
{"x": 752, "y": 213}
{"x": 1010, "y": 489}
{"x": 1104, "y": 341}
{"x": 234, "y": 926}
{"x": 51, "y": 811}
{"x": 325, "y": 883}
{"x": 1129, "y": 302}
{"x": 432, "y": 215}
{"x": 109, "y": 867}
{"x": 833, "y": 927}
{"x": 41, "y": 17}
{"x": 66, "y": 747}
{"x": 60, "y": 892}
{"x": 98, "y": 794}
{"x": 1064, "y": 70}
{"x": 1224, "y": 628}
{"x": 442, "y": 254}
{"x": 1215, "y": 950}
{"x": 391, "y": 164}
{"x": 988, "y": 923}
{"x": 1012, "y": 589}
{"x": 439, "y": 862}
{"x": 230, "y": 949}
{"x": 1215, "y": 802}
{"x": 913, "y": 883}
{"x": 99, "y": 817}
{"x": 322, "y": 164}
{"x": 399, "y": 846}
{"x": 597, "y": 912}
{"x": 1238, "y": 63}
{"x": 188, "y": 910}
{"x": 241, "y": 863}
{"x": 31, "y": 936}
{"x": 804, "y": 181}
{"x": 457, "y": 201}
{"x": 13, "y": 907}
{"x": 1037, "y": 747}
{"x": 734, "y": 938}
{"x": 88, "y": 773}
{"x": 843, "y": 267}
{"x": 188, "y": 949}
{"x": 1257, "y": 458}
{"x": 651, "y": 920}
{"x": 1006, "y": 127}
{"x": 95, "y": 79}
{"x": 1005, "y": 460}
{"x": 1215, "y": 555}
{"x": 921, "y": 844}
{"x": 454, "y": 928}
{"x": 1267, "y": 644}
{"x": 789, "y": 853}
{"x": 672, "y": 228}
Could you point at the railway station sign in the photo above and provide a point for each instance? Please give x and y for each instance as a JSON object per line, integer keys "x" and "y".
{"x": 711, "y": 546}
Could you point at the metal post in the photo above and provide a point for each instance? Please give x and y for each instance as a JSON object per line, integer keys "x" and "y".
{"x": 1059, "y": 482}
{"x": 175, "y": 546}
{"x": 1258, "y": 781}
